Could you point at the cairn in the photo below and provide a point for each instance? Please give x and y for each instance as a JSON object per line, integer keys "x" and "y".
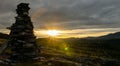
{"x": 22, "y": 40}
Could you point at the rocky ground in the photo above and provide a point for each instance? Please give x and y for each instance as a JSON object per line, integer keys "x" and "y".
{"x": 57, "y": 59}
{"x": 52, "y": 56}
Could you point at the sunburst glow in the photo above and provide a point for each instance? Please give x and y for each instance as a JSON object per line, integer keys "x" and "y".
{"x": 53, "y": 32}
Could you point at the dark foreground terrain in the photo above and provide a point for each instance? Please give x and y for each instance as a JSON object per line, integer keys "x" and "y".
{"x": 73, "y": 52}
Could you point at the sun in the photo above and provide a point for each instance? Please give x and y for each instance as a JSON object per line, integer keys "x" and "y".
{"x": 53, "y": 32}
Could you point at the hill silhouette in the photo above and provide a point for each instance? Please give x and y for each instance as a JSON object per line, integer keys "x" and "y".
{"x": 115, "y": 35}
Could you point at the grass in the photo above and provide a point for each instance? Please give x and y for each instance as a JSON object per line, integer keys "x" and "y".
{"x": 69, "y": 52}
{"x": 81, "y": 48}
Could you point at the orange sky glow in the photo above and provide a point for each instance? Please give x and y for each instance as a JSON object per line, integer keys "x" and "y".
{"x": 77, "y": 33}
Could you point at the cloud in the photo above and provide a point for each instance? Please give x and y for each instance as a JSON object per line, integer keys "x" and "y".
{"x": 65, "y": 14}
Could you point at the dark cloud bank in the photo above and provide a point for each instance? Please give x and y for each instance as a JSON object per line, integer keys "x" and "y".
{"x": 65, "y": 14}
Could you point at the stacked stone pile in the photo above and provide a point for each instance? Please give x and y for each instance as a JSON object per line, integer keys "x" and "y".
{"x": 22, "y": 40}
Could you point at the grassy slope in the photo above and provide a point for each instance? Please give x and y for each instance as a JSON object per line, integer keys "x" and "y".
{"x": 73, "y": 52}
{"x": 81, "y": 48}
{"x": 77, "y": 50}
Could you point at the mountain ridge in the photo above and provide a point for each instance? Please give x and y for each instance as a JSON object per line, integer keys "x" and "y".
{"x": 115, "y": 35}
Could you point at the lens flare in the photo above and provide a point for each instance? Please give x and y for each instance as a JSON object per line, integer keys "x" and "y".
{"x": 66, "y": 48}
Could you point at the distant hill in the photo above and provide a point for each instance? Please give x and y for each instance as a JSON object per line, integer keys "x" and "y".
{"x": 108, "y": 36}
{"x": 111, "y": 36}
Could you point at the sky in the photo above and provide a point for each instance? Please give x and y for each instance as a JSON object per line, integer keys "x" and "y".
{"x": 74, "y": 18}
